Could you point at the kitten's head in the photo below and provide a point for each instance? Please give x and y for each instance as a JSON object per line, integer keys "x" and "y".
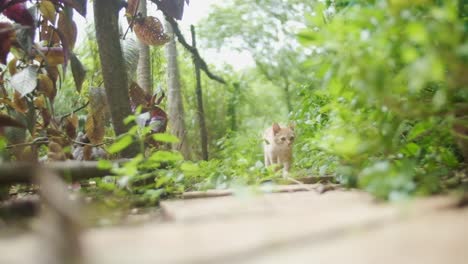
{"x": 283, "y": 136}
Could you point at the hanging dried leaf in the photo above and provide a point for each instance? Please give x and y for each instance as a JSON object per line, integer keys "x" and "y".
{"x": 39, "y": 102}
{"x": 20, "y": 104}
{"x": 71, "y": 125}
{"x": 49, "y": 34}
{"x": 150, "y": 31}
{"x": 53, "y": 73}
{"x": 53, "y": 132}
{"x": 98, "y": 102}
{"x": 8, "y": 121}
{"x": 94, "y": 129}
{"x": 56, "y": 152}
{"x": 31, "y": 118}
{"x": 46, "y": 86}
{"x": 46, "y": 117}
{"x": 78, "y": 71}
{"x": 47, "y": 9}
{"x": 7, "y": 35}
{"x": 98, "y": 115}
{"x": 87, "y": 152}
{"x": 25, "y": 81}
{"x": 138, "y": 96}
{"x": 67, "y": 27}
{"x": 53, "y": 56}
{"x": 132, "y": 6}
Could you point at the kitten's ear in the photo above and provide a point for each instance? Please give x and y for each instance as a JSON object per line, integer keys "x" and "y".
{"x": 292, "y": 125}
{"x": 276, "y": 128}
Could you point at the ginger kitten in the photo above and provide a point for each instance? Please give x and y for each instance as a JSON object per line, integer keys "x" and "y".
{"x": 277, "y": 146}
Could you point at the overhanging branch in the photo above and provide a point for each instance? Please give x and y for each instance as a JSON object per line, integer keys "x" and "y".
{"x": 194, "y": 51}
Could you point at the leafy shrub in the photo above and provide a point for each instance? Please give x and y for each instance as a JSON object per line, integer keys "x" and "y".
{"x": 388, "y": 71}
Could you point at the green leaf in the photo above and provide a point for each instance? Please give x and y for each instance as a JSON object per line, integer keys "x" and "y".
{"x": 121, "y": 144}
{"x": 306, "y": 37}
{"x": 416, "y": 32}
{"x": 163, "y": 155}
{"x": 161, "y": 181}
{"x": 418, "y": 129}
{"x": 78, "y": 71}
{"x": 104, "y": 165}
{"x": 189, "y": 168}
{"x": 154, "y": 195}
{"x": 165, "y": 137}
{"x": 129, "y": 119}
{"x": 411, "y": 149}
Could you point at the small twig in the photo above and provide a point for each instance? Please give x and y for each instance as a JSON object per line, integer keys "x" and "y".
{"x": 194, "y": 51}
{"x": 133, "y": 19}
{"x": 299, "y": 183}
{"x": 93, "y": 145}
{"x": 37, "y": 141}
{"x": 74, "y": 111}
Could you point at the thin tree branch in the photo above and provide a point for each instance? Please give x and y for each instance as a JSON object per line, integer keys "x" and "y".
{"x": 194, "y": 51}
{"x": 23, "y": 172}
{"x": 74, "y": 111}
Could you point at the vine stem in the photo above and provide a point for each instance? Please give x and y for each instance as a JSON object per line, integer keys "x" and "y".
{"x": 133, "y": 19}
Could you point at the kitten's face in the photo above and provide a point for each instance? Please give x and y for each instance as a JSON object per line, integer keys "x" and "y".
{"x": 284, "y": 136}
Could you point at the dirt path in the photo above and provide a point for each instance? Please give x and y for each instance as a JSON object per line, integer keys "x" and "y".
{"x": 299, "y": 227}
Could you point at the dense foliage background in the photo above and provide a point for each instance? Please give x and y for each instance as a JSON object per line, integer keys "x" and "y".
{"x": 377, "y": 90}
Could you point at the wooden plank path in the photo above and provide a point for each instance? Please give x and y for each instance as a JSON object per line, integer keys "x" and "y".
{"x": 294, "y": 227}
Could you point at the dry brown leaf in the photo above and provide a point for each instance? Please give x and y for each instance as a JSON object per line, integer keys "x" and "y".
{"x": 95, "y": 130}
{"x": 53, "y": 132}
{"x": 132, "y": 6}
{"x": 138, "y": 96}
{"x": 98, "y": 115}
{"x": 98, "y": 102}
{"x": 150, "y": 31}
{"x": 39, "y": 102}
{"x": 20, "y": 103}
{"x": 46, "y": 117}
{"x": 87, "y": 152}
{"x": 56, "y": 152}
{"x": 53, "y": 73}
{"x": 46, "y": 86}
{"x": 53, "y": 55}
{"x": 49, "y": 35}
{"x": 68, "y": 28}
{"x": 71, "y": 125}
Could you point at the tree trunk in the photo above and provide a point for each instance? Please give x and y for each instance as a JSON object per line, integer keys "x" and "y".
{"x": 144, "y": 63}
{"x": 174, "y": 96}
{"x": 199, "y": 94}
{"x": 232, "y": 108}
{"x": 113, "y": 65}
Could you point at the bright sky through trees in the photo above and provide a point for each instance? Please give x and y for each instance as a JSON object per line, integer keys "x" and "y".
{"x": 197, "y": 10}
